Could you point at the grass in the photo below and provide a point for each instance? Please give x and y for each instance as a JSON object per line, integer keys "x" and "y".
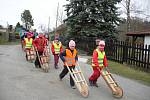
{"x": 2, "y": 41}
{"x": 10, "y": 43}
{"x": 126, "y": 71}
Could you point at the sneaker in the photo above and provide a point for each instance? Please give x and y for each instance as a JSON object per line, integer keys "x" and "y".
{"x": 36, "y": 66}
{"x": 73, "y": 87}
{"x": 56, "y": 67}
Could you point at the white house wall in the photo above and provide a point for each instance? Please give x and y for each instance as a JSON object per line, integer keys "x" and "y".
{"x": 147, "y": 40}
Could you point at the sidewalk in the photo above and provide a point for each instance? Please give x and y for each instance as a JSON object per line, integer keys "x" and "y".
{"x": 84, "y": 59}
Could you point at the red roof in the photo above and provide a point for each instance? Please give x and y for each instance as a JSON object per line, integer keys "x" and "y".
{"x": 139, "y": 33}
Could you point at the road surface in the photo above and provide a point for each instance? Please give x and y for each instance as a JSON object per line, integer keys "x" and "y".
{"x": 20, "y": 80}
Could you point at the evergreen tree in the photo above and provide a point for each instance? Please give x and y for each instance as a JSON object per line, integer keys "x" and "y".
{"x": 18, "y": 27}
{"x": 92, "y": 18}
{"x": 26, "y": 18}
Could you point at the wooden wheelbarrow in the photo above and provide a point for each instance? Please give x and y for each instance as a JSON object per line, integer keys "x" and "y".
{"x": 30, "y": 54}
{"x": 44, "y": 60}
{"x": 117, "y": 91}
{"x": 79, "y": 80}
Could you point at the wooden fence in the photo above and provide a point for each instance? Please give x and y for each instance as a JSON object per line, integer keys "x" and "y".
{"x": 137, "y": 56}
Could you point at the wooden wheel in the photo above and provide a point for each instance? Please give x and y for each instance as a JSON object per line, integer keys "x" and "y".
{"x": 46, "y": 70}
{"x": 45, "y": 67}
{"x": 44, "y": 64}
{"x": 79, "y": 80}
{"x": 118, "y": 93}
{"x": 84, "y": 90}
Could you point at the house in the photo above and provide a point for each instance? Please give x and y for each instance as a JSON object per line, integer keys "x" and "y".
{"x": 4, "y": 34}
{"x": 3, "y": 30}
{"x": 142, "y": 37}
{"x": 61, "y": 28}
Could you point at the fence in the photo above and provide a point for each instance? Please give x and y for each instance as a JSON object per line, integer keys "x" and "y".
{"x": 84, "y": 43}
{"x": 137, "y": 56}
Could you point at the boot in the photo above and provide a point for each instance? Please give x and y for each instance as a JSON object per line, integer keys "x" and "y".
{"x": 73, "y": 87}
{"x": 91, "y": 83}
{"x": 36, "y": 66}
{"x": 56, "y": 67}
{"x": 60, "y": 78}
{"x": 95, "y": 84}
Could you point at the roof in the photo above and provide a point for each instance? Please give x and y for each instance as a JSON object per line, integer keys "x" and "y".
{"x": 3, "y": 30}
{"x": 61, "y": 28}
{"x": 139, "y": 33}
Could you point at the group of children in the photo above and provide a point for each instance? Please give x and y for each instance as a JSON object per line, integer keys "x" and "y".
{"x": 69, "y": 56}
{"x": 37, "y": 42}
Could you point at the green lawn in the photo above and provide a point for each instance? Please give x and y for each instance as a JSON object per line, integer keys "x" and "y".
{"x": 126, "y": 71}
{"x": 10, "y": 43}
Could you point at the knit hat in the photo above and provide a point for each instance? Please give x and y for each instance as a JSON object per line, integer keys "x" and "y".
{"x": 72, "y": 43}
{"x": 28, "y": 33}
{"x": 40, "y": 35}
{"x": 56, "y": 38}
{"x": 101, "y": 45}
{"x": 102, "y": 42}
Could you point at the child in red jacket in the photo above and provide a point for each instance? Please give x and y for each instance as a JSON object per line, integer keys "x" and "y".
{"x": 40, "y": 45}
{"x": 98, "y": 62}
{"x": 56, "y": 50}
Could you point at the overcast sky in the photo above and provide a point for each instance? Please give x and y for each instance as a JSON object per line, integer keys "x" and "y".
{"x": 10, "y": 10}
{"x": 140, "y": 5}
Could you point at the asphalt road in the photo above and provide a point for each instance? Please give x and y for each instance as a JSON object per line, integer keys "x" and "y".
{"x": 20, "y": 80}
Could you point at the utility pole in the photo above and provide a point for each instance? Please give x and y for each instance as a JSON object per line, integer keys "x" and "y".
{"x": 56, "y": 19}
{"x": 8, "y": 33}
{"x": 48, "y": 33}
{"x": 61, "y": 17}
{"x": 128, "y": 15}
{"x": 48, "y": 23}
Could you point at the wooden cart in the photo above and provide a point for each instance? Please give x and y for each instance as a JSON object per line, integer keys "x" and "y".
{"x": 115, "y": 88}
{"x": 30, "y": 54}
{"x": 79, "y": 80}
{"x": 44, "y": 60}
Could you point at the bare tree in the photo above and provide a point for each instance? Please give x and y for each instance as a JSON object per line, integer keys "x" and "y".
{"x": 134, "y": 9}
{"x": 60, "y": 16}
{"x": 43, "y": 28}
{"x": 126, "y": 4}
{"x": 57, "y": 18}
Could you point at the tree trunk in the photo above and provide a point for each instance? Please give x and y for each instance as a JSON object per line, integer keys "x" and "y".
{"x": 128, "y": 18}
